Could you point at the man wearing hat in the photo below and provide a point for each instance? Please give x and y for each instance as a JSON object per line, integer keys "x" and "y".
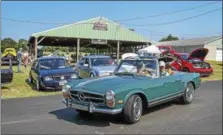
{"x": 162, "y": 69}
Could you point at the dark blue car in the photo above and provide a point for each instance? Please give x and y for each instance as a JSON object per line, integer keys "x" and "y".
{"x": 51, "y": 72}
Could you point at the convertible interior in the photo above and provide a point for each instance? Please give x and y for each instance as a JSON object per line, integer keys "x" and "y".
{"x": 146, "y": 68}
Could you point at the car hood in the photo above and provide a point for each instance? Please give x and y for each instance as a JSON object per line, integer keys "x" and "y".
{"x": 109, "y": 68}
{"x": 57, "y": 71}
{"x": 102, "y": 85}
{"x": 200, "y": 53}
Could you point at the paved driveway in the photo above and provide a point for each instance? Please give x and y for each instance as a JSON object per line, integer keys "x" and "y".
{"x": 48, "y": 115}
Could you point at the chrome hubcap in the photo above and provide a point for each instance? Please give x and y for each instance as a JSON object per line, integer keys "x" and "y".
{"x": 190, "y": 93}
{"x": 92, "y": 76}
{"x": 137, "y": 108}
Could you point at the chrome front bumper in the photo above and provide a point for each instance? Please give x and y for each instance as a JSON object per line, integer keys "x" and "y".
{"x": 92, "y": 109}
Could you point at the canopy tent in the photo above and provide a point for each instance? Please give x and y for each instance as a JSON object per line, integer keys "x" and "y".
{"x": 129, "y": 55}
{"x": 150, "y": 49}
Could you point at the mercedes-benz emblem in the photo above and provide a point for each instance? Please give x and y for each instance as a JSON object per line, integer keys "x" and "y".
{"x": 81, "y": 96}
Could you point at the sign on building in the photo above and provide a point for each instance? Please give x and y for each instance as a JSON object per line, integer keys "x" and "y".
{"x": 99, "y": 25}
{"x": 98, "y": 41}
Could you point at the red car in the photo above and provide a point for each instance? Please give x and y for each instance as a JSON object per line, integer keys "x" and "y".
{"x": 166, "y": 49}
{"x": 193, "y": 62}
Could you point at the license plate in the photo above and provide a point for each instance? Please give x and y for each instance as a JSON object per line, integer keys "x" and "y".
{"x": 62, "y": 82}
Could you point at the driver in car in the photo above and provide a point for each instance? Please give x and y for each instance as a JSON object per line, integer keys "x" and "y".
{"x": 162, "y": 69}
{"x": 139, "y": 67}
{"x": 142, "y": 70}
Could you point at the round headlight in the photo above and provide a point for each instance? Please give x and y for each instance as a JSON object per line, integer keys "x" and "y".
{"x": 48, "y": 78}
{"x": 110, "y": 95}
{"x": 66, "y": 88}
{"x": 74, "y": 76}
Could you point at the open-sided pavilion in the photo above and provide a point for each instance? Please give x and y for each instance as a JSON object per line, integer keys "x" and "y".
{"x": 99, "y": 33}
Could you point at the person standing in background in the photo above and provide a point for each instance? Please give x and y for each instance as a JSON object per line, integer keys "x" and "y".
{"x": 19, "y": 58}
{"x": 25, "y": 58}
{"x": 30, "y": 58}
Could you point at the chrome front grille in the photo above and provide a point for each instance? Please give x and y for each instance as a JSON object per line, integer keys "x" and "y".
{"x": 87, "y": 97}
{"x": 58, "y": 78}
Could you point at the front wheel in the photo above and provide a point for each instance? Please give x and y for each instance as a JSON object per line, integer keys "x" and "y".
{"x": 38, "y": 85}
{"x": 133, "y": 109}
{"x": 30, "y": 79}
{"x": 188, "y": 94}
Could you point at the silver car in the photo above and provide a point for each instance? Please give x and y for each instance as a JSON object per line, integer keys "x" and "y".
{"x": 95, "y": 66}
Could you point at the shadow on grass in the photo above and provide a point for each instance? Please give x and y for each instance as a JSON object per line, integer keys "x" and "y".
{"x": 219, "y": 64}
{"x": 102, "y": 120}
{"x": 4, "y": 87}
{"x": 32, "y": 85}
{"x": 205, "y": 76}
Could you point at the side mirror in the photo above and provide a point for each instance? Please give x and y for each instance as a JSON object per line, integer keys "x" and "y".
{"x": 86, "y": 65}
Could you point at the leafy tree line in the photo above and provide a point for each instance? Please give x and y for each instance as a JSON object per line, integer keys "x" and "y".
{"x": 22, "y": 43}
{"x": 10, "y": 43}
{"x": 169, "y": 38}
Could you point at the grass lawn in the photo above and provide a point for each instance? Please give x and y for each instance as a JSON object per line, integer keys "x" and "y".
{"x": 20, "y": 87}
{"x": 217, "y": 74}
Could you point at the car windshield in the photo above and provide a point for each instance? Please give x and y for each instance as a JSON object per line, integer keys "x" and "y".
{"x": 184, "y": 56}
{"x": 101, "y": 61}
{"x": 54, "y": 63}
{"x": 137, "y": 67}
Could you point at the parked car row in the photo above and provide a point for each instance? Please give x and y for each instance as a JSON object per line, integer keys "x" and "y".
{"x": 51, "y": 72}
{"x": 48, "y": 72}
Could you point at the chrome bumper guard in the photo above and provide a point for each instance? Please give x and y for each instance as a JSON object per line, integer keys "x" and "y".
{"x": 92, "y": 109}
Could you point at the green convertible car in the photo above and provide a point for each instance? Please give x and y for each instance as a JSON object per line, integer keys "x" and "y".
{"x": 128, "y": 93}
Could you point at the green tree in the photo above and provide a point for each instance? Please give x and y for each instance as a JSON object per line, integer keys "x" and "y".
{"x": 8, "y": 43}
{"x": 23, "y": 44}
{"x": 48, "y": 48}
{"x": 169, "y": 38}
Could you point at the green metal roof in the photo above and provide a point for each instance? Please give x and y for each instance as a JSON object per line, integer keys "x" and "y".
{"x": 84, "y": 29}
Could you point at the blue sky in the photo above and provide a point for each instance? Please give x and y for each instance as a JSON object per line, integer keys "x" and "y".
{"x": 70, "y": 12}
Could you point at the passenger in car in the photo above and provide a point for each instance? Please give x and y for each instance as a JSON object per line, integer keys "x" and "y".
{"x": 162, "y": 69}
{"x": 168, "y": 69}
